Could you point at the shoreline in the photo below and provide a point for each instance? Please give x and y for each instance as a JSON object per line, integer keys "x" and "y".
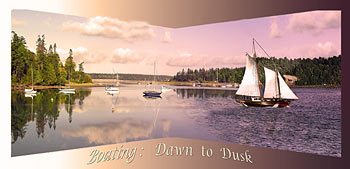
{"x": 76, "y": 85}
{"x": 97, "y": 83}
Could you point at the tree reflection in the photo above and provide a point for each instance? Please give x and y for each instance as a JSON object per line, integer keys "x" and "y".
{"x": 205, "y": 93}
{"x": 42, "y": 108}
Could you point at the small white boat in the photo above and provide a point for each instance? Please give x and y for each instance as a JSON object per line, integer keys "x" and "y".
{"x": 30, "y": 91}
{"x": 165, "y": 89}
{"x": 112, "y": 92}
{"x": 111, "y": 88}
{"x": 68, "y": 91}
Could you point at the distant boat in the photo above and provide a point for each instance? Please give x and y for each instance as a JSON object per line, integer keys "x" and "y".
{"x": 112, "y": 92}
{"x": 276, "y": 93}
{"x": 68, "y": 90}
{"x": 154, "y": 92}
{"x": 30, "y": 91}
{"x": 165, "y": 89}
{"x": 113, "y": 89}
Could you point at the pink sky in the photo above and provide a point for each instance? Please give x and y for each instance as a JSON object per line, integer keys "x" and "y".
{"x": 106, "y": 43}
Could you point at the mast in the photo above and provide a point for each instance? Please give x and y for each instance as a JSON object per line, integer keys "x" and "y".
{"x": 69, "y": 79}
{"x": 257, "y": 71}
{"x": 278, "y": 84}
{"x": 217, "y": 75}
{"x": 154, "y": 73}
{"x": 32, "y": 76}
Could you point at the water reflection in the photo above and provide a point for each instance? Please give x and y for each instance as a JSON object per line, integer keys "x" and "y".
{"x": 123, "y": 130}
{"x": 50, "y": 121}
{"x": 116, "y": 132}
{"x": 205, "y": 93}
{"x": 43, "y": 108}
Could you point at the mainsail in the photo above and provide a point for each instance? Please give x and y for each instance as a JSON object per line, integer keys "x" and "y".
{"x": 250, "y": 82}
{"x": 271, "y": 84}
{"x": 286, "y": 92}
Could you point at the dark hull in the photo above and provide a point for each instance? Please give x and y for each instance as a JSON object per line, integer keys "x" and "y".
{"x": 264, "y": 103}
{"x": 152, "y": 94}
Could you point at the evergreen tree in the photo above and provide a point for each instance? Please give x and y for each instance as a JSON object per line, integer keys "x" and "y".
{"x": 70, "y": 65}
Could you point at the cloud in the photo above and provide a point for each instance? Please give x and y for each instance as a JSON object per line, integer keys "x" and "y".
{"x": 125, "y": 55}
{"x": 274, "y": 30}
{"x": 61, "y": 51}
{"x": 229, "y": 61}
{"x": 15, "y": 22}
{"x": 185, "y": 60}
{"x": 189, "y": 60}
{"x": 323, "y": 50}
{"x": 112, "y": 28}
{"x": 48, "y": 21}
{"x": 167, "y": 37}
{"x": 82, "y": 54}
{"x": 314, "y": 22}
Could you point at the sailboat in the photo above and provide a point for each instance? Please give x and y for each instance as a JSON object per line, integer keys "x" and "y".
{"x": 154, "y": 92}
{"x": 276, "y": 92}
{"x": 68, "y": 90}
{"x": 30, "y": 91}
{"x": 113, "y": 89}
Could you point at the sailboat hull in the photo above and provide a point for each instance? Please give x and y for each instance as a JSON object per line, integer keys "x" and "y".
{"x": 264, "y": 103}
{"x": 152, "y": 93}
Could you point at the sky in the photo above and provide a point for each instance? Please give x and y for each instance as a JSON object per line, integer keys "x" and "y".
{"x": 108, "y": 45}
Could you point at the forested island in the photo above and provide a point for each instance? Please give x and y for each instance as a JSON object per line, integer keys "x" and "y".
{"x": 45, "y": 64}
{"x": 316, "y": 71}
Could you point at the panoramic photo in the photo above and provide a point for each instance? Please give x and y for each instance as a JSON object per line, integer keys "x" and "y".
{"x": 272, "y": 82}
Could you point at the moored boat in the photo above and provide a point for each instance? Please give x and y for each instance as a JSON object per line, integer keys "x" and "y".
{"x": 153, "y": 92}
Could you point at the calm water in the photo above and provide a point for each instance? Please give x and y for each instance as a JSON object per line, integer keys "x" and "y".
{"x": 51, "y": 121}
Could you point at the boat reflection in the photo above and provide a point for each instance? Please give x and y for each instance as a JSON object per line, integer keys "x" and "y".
{"x": 114, "y": 99}
{"x": 152, "y": 97}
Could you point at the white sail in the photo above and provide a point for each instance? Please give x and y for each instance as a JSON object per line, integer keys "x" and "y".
{"x": 286, "y": 92}
{"x": 250, "y": 82}
{"x": 271, "y": 84}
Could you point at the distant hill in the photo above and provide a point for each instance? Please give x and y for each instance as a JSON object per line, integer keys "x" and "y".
{"x": 123, "y": 76}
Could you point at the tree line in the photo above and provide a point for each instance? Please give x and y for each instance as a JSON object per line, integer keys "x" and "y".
{"x": 45, "y": 64}
{"x": 316, "y": 71}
